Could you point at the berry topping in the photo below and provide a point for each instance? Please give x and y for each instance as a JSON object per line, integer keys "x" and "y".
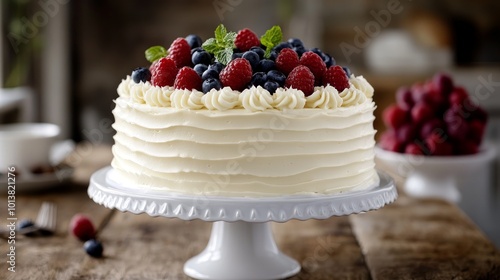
{"x": 258, "y": 79}
{"x": 421, "y": 112}
{"x": 237, "y": 74}
{"x": 194, "y": 41}
{"x": 295, "y": 42}
{"x": 93, "y": 248}
{"x": 258, "y": 50}
{"x": 201, "y": 57}
{"x": 336, "y": 77}
{"x": 271, "y": 86}
{"x": 209, "y": 84}
{"x": 265, "y": 65}
{"x": 413, "y": 149}
{"x": 180, "y": 52}
{"x": 141, "y": 74}
{"x": 210, "y": 73}
{"x": 187, "y": 78}
{"x": 282, "y": 45}
{"x": 217, "y": 66}
{"x": 252, "y": 57}
{"x": 200, "y": 68}
{"x": 276, "y": 76}
{"x": 245, "y": 39}
{"x": 287, "y": 60}
{"x": 301, "y": 78}
{"x": 163, "y": 72}
{"x": 404, "y": 98}
{"x": 82, "y": 227}
{"x": 315, "y": 64}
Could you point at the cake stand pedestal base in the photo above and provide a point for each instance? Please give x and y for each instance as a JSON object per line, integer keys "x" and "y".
{"x": 239, "y": 249}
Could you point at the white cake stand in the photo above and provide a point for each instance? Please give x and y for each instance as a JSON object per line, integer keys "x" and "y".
{"x": 241, "y": 245}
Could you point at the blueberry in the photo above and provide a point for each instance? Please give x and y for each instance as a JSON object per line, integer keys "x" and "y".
{"x": 201, "y": 57}
{"x": 198, "y": 49}
{"x": 200, "y": 68}
{"x": 282, "y": 45}
{"x": 296, "y": 42}
{"x": 209, "y": 84}
{"x": 347, "y": 71}
{"x": 265, "y": 65}
{"x": 329, "y": 61}
{"x": 210, "y": 73}
{"x": 299, "y": 50}
{"x": 194, "y": 41}
{"x": 217, "y": 66}
{"x": 236, "y": 55}
{"x": 271, "y": 86}
{"x": 258, "y": 50}
{"x": 141, "y": 74}
{"x": 276, "y": 76}
{"x": 93, "y": 248}
{"x": 252, "y": 57}
{"x": 318, "y": 52}
{"x": 258, "y": 79}
{"x": 273, "y": 55}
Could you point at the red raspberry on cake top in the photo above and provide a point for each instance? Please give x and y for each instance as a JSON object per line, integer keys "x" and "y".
{"x": 287, "y": 60}
{"x": 245, "y": 39}
{"x": 316, "y": 64}
{"x": 301, "y": 78}
{"x": 237, "y": 74}
{"x": 188, "y": 79}
{"x": 163, "y": 72}
{"x": 180, "y": 52}
{"x": 336, "y": 77}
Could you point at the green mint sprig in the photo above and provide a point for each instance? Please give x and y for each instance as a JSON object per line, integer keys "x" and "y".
{"x": 156, "y": 52}
{"x": 222, "y": 45}
{"x": 271, "y": 39}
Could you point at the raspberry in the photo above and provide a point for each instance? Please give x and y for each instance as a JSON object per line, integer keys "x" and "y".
{"x": 316, "y": 64}
{"x": 245, "y": 39}
{"x": 457, "y": 96}
{"x": 413, "y": 149}
{"x": 336, "y": 77}
{"x": 180, "y": 52}
{"x": 163, "y": 72}
{"x": 237, "y": 74}
{"x": 438, "y": 146}
{"x": 287, "y": 60}
{"x": 421, "y": 112}
{"x": 82, "y": 227}
{"x": 390, "y": 142}
{"x": 301, "y": 78}
{"x": 187, "y": 78}
{"x": 394, "y": 116}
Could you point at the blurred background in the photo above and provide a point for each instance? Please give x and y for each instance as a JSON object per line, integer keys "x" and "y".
{"x": 62, "y": 60}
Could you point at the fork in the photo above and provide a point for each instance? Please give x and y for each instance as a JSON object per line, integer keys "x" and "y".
{"x": 45, "y": 223}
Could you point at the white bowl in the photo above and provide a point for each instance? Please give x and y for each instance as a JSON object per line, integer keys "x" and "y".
{"x": 27, "y": 144}
{"x": 439, "y": 176}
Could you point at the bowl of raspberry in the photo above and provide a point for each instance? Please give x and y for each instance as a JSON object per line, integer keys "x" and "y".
{"x": 434, "y": 139}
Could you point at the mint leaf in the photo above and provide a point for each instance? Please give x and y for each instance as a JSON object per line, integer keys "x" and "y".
{"x": 222, "y": 45}
{"x": 271, "y": 39}
{"x": 224, "y": 56}
{"x": 155, "y": 53}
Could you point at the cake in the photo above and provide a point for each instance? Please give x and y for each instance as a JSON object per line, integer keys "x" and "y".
{"x": 300, "y": 125}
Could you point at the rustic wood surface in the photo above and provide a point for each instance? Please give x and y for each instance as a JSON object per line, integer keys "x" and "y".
{"x": 410, "y": 239}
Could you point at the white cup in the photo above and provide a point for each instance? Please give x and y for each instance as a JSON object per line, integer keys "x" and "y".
{"x": 26, "y": 145}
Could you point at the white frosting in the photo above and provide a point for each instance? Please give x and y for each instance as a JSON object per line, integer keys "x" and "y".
{"x": 256, "y": 99}
{"x": 362, "y": 84}
{"x": 324, "y": 98}
{"x": 186, "y": 99}
{"x": 289, "y": 99}
{"x": 245, "y": 144}
{"x": 221, "y": 100}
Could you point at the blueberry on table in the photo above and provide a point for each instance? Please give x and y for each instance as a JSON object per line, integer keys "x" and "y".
{"x": 93, "y": 248}
{"x": 194, "y": 41}
{"x": 141, "y": 74}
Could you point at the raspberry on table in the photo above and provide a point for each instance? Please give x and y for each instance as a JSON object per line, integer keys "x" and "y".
{"x": 180, "y": 52}
{"x": 336, "y": 77}
{"x": 187, "y": 78}
{"x": 316, "y": 64}
{"x": 287, "y": 60}
{"x": 245, "y": 39}
{"x": 237, "y": 74}
{"x": 301, "y": 78}
{"x": 163, "y": 72}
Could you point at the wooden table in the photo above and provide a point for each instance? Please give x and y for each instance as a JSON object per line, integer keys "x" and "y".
{"x": 410, "y": 239}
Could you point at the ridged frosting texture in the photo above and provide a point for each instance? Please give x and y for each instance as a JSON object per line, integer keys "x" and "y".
{"x": 239, "y": 152}
{"x": 254, "y": 99}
